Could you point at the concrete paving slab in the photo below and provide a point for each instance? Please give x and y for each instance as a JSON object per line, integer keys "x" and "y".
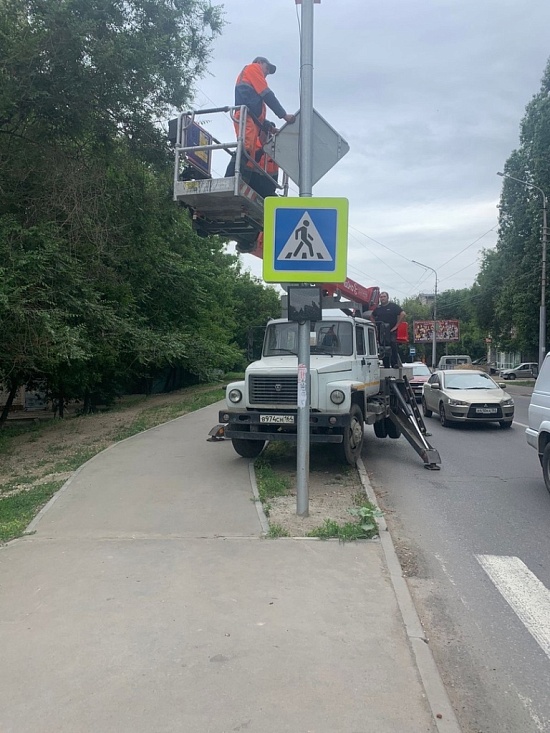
{"x": 168, "y": 481}
{"x": 136, "y": 636}
{"x": 146, "y": 602}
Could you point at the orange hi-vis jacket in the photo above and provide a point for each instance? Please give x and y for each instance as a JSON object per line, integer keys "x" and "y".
{"x": 251, "y": 90}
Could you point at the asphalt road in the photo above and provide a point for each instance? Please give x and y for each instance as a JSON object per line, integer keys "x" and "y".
{"x": 473, "y": 542}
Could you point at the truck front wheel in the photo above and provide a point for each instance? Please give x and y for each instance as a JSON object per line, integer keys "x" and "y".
{"x": 352, "y": 443}
{"x": 248, "y": 448}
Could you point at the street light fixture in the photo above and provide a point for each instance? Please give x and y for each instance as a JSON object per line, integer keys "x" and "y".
{"x": 427, "y": 267}
{"x": 542, "y": 315}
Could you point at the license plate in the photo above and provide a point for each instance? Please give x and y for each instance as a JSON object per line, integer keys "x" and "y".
{"x": 486, "y": 410}
{"x": 277, "y": 419}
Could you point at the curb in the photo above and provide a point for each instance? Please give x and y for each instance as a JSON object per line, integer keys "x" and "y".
{"x": 436, "y": 694}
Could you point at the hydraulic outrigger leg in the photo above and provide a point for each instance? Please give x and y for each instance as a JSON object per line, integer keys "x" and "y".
{"x": 410, "y": 422}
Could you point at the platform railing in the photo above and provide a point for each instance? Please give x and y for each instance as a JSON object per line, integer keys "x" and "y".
{"x": 239, "y": 115}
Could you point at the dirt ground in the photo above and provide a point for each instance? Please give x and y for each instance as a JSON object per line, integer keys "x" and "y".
{"x": 333, "y": 489}
{"x": 52, "y": 449}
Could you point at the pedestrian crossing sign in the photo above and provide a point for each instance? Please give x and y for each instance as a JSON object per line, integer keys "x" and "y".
{"x": 305, "y": 239}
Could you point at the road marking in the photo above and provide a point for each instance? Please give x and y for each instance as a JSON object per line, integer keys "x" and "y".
{"x": 527, "y": 596}
{"x": 520, "y": 424}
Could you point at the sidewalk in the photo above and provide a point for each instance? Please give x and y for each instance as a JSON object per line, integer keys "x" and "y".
{"x": 147, "y": 602}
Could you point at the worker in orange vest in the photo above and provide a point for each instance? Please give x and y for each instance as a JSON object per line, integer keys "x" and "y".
{"x": 251, "y": 89}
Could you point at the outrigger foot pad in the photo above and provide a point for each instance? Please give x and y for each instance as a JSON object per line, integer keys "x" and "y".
{"x": 216, "y": 434}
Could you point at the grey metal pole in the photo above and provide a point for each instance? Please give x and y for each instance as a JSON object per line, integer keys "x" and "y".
{"x": 306, "y": 100}
{"x": 306, "y": 185}
{"x": 542, "y": 310}
{"x": 434, "y": 338}
{"x": 434, "y": 342}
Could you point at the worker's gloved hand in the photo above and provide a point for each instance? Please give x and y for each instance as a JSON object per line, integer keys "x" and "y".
{"x": 289, "y": 118}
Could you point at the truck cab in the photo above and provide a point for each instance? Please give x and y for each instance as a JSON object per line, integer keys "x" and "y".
{"x": 344, "y": 372}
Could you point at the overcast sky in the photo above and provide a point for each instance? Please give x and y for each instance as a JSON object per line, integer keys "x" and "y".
{"x": 429, "y": 94}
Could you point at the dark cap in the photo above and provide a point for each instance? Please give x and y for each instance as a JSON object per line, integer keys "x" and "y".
{"x": 271, "y": 68}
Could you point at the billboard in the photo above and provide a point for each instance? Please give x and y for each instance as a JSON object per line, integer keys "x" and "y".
{"x": 446, "y": 331}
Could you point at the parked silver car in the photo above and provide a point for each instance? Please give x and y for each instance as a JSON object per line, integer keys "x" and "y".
{"x": 528, "y": 369}
{"x": 466, "y": 395}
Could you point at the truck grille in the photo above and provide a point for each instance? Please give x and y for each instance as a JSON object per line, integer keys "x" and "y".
{"x": 273, "y": 390}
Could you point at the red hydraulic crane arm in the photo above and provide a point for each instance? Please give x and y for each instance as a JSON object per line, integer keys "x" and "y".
{"x": 366, "y": 297}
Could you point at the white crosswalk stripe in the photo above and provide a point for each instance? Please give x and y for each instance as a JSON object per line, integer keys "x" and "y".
{"x": 528, "y": 597}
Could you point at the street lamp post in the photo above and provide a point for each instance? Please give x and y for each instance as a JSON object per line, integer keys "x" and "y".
{"x": 427, "y": 267}
{"x": 542, "y": 314}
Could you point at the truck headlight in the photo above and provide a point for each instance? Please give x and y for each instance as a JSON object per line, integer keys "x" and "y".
{"x": 337, "y": 396}
{"x": 235, "y": 395}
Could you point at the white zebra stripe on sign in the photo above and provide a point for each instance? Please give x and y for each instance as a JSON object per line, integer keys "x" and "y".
{"x": 528, "y": 597}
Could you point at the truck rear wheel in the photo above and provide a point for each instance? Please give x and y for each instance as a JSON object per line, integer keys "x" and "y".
{"x": 248, "y": 448}
{"x": 352, "y": 443}
{"x": 380, "y": 428}
{"x": 392, "y": 429}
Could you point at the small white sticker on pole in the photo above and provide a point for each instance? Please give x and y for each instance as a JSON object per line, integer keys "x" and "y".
{"x": 302, "y": 385}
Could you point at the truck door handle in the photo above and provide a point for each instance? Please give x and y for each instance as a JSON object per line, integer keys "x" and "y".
{"x": 363, "y": 362}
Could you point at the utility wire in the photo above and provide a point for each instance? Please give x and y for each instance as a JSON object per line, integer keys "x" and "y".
{"x": 379, "y": 258}
{"x": 468, "y": 247}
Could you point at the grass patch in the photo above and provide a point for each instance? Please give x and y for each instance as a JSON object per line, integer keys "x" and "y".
{"x": 276, "y": 530}
{"x": 364, "y": 528}
{"x": 16, "y": 483}
{"x": 76, "y": 459}
{"x": 17, "y": 511}
{"x": 9, "y": 432}
{"x": 270, "y": 484}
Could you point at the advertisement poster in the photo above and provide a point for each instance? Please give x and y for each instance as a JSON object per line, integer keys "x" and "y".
{"x": 446, "y": 331}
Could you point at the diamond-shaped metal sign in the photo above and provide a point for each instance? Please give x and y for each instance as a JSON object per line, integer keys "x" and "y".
{"x": 328, "y": 147}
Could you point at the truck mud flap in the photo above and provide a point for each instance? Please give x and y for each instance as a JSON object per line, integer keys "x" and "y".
{"x": 403, "y": 416}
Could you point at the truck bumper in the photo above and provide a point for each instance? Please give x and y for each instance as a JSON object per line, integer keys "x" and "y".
{"x": 324, "y": 428}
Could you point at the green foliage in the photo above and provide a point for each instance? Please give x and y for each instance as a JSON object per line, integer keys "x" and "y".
{"x": 348, "y": 532}
{"x": 363, "y": 529}
{"x": 16, "y": 511}
{"x": 102, "y": 280}
{"x": 270, "y": 484}
{"x": 510, "y": 276}
{"x": 276, "y": 530}
{"x": 366, "y": 515}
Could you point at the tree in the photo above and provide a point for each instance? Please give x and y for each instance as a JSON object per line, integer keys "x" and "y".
{"x": 104, "y": 280}
{"x": 510, "y": 276}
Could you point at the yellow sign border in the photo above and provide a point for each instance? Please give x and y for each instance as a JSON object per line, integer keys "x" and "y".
{"x": 274, "y": 203}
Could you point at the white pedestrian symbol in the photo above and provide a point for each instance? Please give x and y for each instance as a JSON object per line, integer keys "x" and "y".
{"x": 305, "y": 243}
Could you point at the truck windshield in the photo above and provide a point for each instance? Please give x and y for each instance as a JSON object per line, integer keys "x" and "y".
{"x": 331, "y": 337}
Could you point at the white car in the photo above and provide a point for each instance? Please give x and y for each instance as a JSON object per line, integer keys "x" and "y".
{"x": 538, "y": 432}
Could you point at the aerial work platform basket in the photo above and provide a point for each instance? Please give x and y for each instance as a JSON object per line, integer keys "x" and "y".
{"x": 229, "y": 206}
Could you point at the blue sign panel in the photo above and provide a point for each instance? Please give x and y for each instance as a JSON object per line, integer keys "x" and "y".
{"x": 305, "y": 240}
